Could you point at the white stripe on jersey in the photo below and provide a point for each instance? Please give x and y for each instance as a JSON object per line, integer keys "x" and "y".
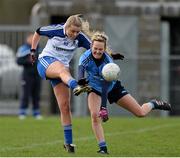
{"x": 51, "y": 27}
{"x": 44, "y": 62}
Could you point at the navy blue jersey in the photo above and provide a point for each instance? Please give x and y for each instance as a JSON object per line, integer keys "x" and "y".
{"x": 59, "y": 45}
{"x": 94, "y": 71}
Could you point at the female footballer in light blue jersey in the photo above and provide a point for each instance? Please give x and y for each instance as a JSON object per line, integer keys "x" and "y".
{"x": 53, "y": 64}
{"x": 92, "y": 62}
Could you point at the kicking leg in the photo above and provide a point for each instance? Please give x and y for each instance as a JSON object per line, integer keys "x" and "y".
{"x": 130, "y": 104}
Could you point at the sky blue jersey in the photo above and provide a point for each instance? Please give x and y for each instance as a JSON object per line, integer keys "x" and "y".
{"x": 94, "y": 72}
{"x": 59, "y": 45}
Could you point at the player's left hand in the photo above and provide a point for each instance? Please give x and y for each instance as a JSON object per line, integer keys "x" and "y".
{"x": 117, "y": 56}
{"x": 103, "y": 114}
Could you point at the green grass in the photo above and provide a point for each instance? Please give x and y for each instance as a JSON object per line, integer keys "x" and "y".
{"x": 126, "y": 137}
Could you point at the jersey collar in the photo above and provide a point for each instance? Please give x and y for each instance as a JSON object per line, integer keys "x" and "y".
{"x": 64, "y": 31}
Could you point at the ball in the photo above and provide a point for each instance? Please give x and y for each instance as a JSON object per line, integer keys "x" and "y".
{"x": 111, "y": 72}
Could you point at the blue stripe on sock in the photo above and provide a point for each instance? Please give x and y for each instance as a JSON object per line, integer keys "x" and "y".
{"x": 68, "y": 134}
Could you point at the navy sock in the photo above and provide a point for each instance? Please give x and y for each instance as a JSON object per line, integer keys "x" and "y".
{"x": 102, "y": 144}
{"x": 68, "y": 134}
{"x": 72, "y": 83}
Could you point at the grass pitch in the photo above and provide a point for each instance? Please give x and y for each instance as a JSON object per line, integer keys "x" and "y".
{"x": 126, "y": 137}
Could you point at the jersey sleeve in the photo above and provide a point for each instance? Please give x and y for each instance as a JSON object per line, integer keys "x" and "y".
{"x": 50, "y": 31}
{"x": 104, "y": 95}
{"x": 82, "y": 66}
{"x": 84, "y": 41}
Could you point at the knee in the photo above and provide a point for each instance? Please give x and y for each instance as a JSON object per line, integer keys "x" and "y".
{"x": 140, "y": 113}
{"x": 95, "y": 117}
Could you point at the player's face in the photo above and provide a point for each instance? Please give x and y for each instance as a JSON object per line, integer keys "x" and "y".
{"x": 98, "y": 49}
{"x": 72, "y": 31}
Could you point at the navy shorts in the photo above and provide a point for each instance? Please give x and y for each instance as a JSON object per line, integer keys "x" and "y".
{"x": 117, "y": 92}
{"x": 42, "y": 65}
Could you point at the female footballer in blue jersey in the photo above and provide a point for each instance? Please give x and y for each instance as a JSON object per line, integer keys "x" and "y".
{"x": 92, "y": 62}
{"x": 53, "y": 64}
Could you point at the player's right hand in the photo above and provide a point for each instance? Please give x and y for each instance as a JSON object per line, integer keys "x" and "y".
{"x": 103, "y": 114}
{"x": 33, "y": 56}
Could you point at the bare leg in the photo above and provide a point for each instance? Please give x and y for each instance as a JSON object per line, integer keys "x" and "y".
{"x": 58, "y": 70}
{"x": 130, "y": 104}
{"x": 94, "y": 102}
{"x": 62, "y": 94}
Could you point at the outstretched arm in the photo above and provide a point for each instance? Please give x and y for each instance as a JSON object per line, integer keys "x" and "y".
{"x": 81, "y": 72}
{"x": 115, "y": 56}
{"x": 104, "y": 94}
{"x": 103, "y": 113}
{"x": 35, "y": 41}
{"x": 81, "y": 79}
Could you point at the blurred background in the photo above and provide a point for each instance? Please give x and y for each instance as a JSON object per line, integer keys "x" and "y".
{"x": 146, "y": 32}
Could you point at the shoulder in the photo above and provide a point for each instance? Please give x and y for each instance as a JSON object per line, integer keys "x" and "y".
{"x": 86, "y": 56}
{"x": 52, "y": 30}
{"x": 83, "y": 36}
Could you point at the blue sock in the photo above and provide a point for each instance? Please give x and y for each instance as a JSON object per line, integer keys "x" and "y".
{"x": 68, "y": 134}
{"x": 102, "y": 144}
{"x": 72, "y": 83}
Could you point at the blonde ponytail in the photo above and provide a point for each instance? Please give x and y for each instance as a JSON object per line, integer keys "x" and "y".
{"x": 79, "y": 21}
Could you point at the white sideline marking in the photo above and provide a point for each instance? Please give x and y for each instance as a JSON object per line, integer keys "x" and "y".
{"x": 87, "y": 138}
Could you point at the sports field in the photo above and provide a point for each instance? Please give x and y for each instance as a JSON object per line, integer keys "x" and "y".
{"x": 126, "y": 137}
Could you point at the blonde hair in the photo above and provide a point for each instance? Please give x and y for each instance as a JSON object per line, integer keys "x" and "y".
{"x": 102, "y": 37}
{"x": 74, "y": 20}
{"x": 78, "y": 21}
